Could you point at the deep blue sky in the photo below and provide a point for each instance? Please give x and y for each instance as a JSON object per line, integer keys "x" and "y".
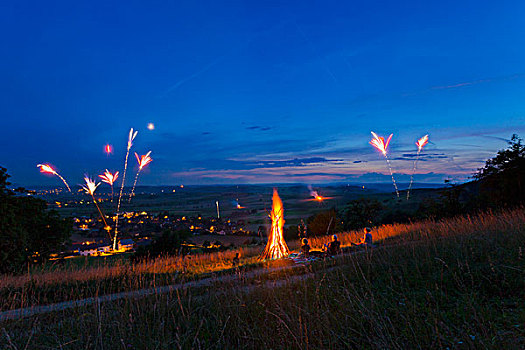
{"x": 243, "y": 92}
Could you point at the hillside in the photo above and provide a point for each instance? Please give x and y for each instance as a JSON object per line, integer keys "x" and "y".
{"x": 454, "y": 283}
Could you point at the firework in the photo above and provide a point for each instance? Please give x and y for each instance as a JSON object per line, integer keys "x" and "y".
{"x": 315, "y": 195}
{"x": 151, "y": 126}
{"x": 48, "y": 169}
{"x": 380, "y": 144}
{"x": 90, "y": 188}
{"x": 109, "y": 178}
{"x": 131, "y": 137}
{"x": 108, "y": 149}
{"x": 420, "y": 144}
{"x": 143, "y": 161}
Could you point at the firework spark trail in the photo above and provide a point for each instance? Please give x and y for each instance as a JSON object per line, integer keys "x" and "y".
{"x": 90, "y": 188}
{"x": 420, "y": 144}
{"x": 46, "y": 168}
{"x": 143, "y": 161}
{"x": 380, "y": 144}
{"x": 109, "y": 178}
{"x": 392, "y": 175}
{"x": 131, "y": 137}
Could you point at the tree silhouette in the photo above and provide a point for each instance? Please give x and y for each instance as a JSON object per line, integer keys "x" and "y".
{"x": 502, "y": 179}
{"x": 29, "y": 232}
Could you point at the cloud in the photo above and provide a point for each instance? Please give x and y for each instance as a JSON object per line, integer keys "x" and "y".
{"x": 479, "y": 81}
{"x": 296, "y": 162}
{"x": 422, "y": 157}
{"x": 257, "y": 127}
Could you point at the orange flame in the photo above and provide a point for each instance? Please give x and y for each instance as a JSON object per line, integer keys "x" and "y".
{"x": 276, "y": 247}
{"x": 422, "y": 142}
{"x": 379, "y": 142}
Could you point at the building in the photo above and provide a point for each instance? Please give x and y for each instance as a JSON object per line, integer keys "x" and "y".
{"x": 126, "y": 245}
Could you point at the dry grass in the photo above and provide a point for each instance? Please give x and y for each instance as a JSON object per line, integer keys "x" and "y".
{"x": 72, "y": 282}
{"x": 461, "y": 286}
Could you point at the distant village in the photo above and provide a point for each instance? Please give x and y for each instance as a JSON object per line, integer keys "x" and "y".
{"x": 91, "y": 238}
{"x": 136, "y": 228}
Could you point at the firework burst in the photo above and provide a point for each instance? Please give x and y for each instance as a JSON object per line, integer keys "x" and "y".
{"x": 109, "y": 178}
{"x": 48, "y": 169}
{"x": 131, "y": 137}
{"x": 90, "y": 188}
{"x": 143, "y": 161}
{"x": 315, "y": 196}
{"x": 380, "y": 144}
{"x": 420, "y": 144}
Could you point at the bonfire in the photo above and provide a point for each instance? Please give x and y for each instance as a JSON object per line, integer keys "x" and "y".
{"x": 276, "y": 247}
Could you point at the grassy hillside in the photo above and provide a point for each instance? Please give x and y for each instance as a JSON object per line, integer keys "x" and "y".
{"x": 457, "y": 283}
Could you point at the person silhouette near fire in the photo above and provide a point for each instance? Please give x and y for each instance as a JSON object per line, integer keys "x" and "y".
{"x": 367, "y": 240}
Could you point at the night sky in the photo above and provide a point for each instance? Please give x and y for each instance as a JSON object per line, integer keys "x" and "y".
{"x": 244, "y": 92}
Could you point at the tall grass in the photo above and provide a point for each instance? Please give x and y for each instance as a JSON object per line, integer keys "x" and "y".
{"x": 73, "y": 281}
{"x": 460, "y": 285}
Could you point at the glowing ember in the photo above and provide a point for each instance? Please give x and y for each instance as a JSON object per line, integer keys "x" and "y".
{"x": 143, "y": 161}
{"x": 420, "y": 144}
{"x": 276, "y": 247}
{"x": 380, "y": 144}
{"x": 108, "y": 149}
{"x": 48, "y": 169}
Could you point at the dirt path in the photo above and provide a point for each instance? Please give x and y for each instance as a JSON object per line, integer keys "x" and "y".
{"x": 205, "y": 282}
